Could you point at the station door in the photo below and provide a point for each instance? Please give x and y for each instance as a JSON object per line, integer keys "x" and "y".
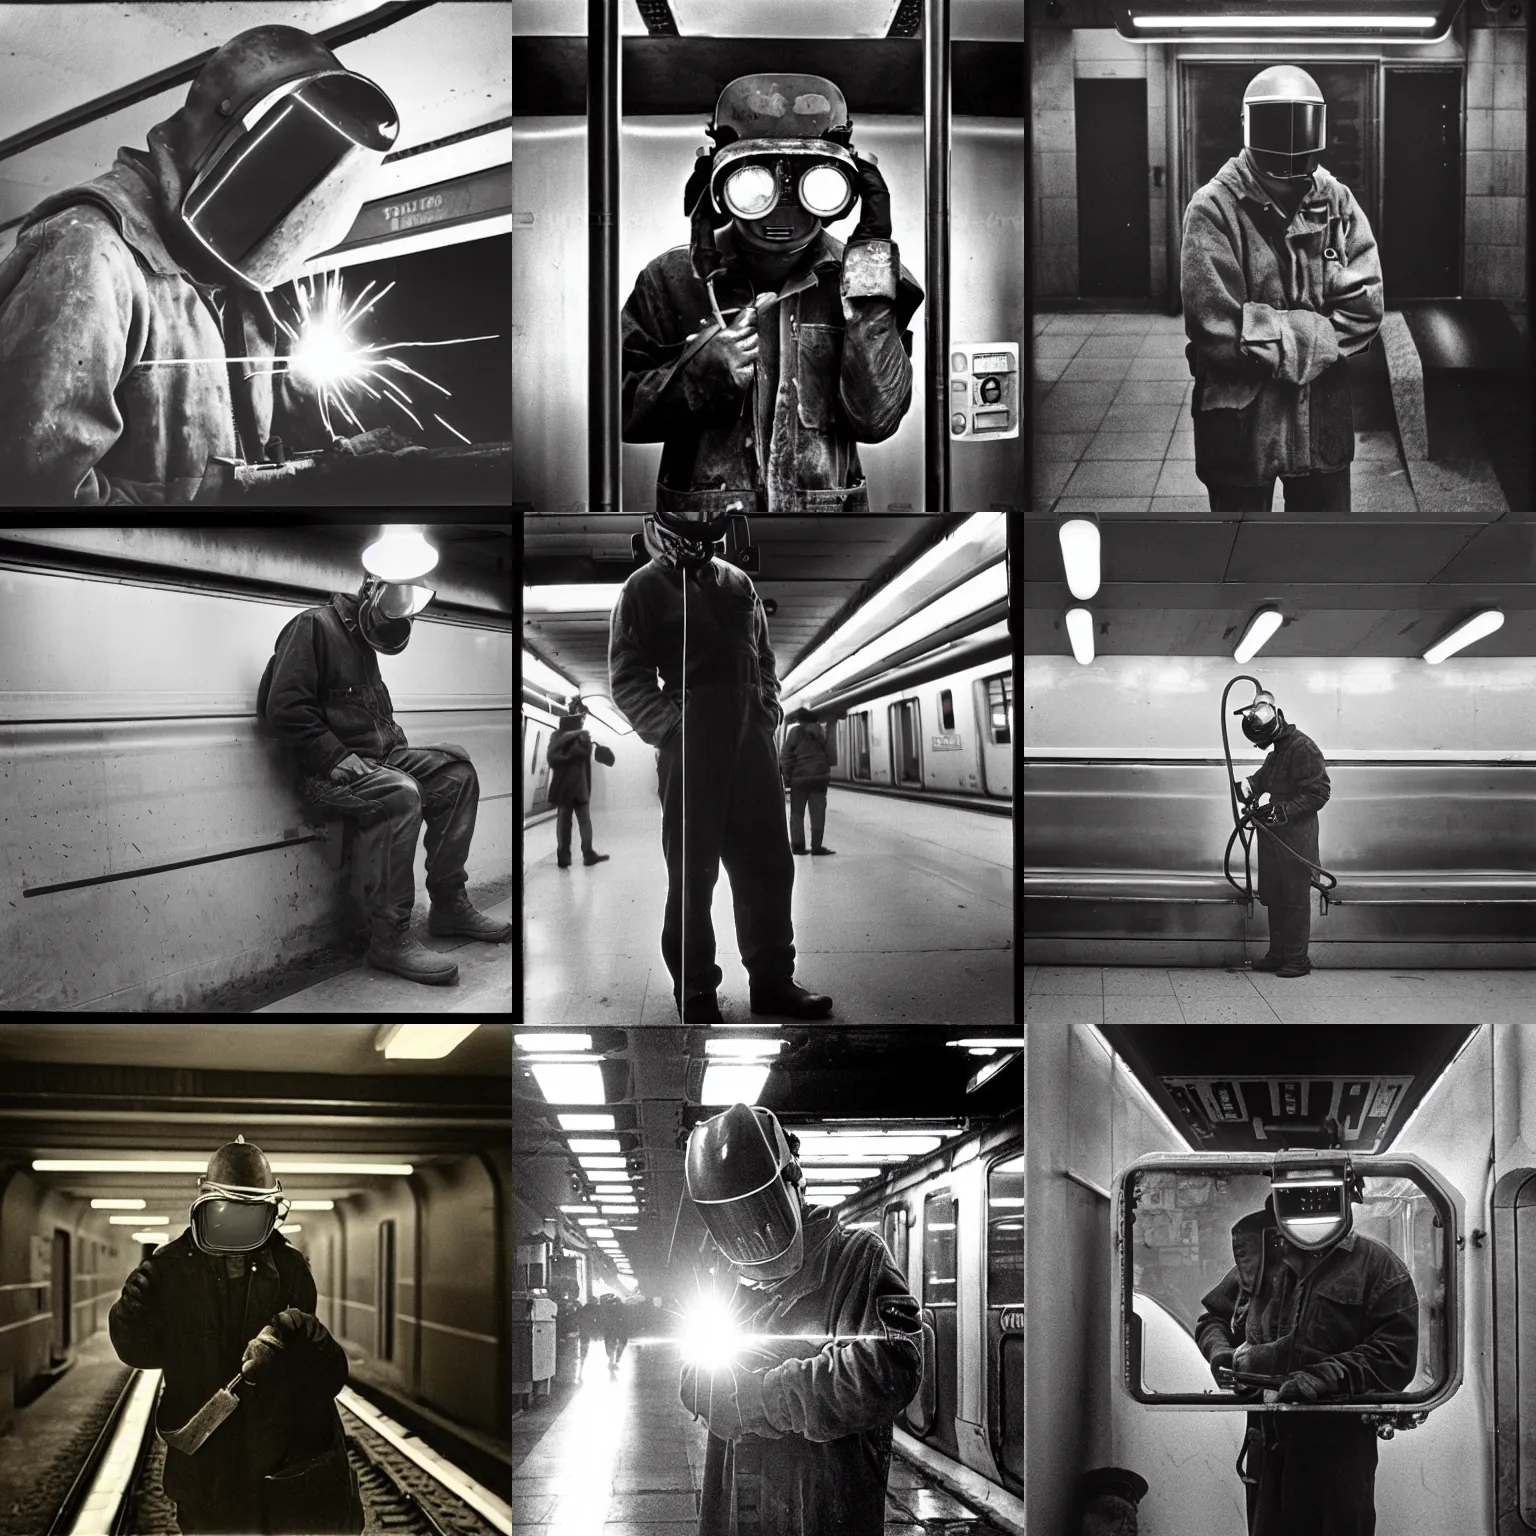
{"x": 906, "y": 748}
{"x": 1420, "y": 234}
{"x": 1113, "y": 257}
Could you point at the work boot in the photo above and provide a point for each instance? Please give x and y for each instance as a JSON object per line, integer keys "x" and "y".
{"x": 791, "y": 998}
{"x": 801, "y": 849}
{"x": 1294, "y": 968}
{"x": 454, "y": 917}
{"x": 1267, "y": 963}
{"x": 595, "y": 858}
{"x": 564, "y": 863}
{"x": 823, "y": 850}
{"x": 404, "y": 954}
{"x": 701, "y": 1008}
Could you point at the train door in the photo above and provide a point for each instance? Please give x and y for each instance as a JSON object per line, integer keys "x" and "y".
{"x": 940, "y": 1312}
{"x": 1005, "y": 1317}
{"x": 906, "y": 743}
{"x": 538, "y": 773}
{"x": 1421, "y": 195}
{"x": 994, "y": 708}
{"x": 858, "y": 766}
{"x": 1114, "y": 258}
{"x": 59, "y": 1296}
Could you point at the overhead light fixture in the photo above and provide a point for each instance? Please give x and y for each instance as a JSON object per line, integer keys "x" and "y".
{"x": 827, "y": 1146}
{"x": 421, "y": 1042}
{"x": 117, "y": 1205}
{"x": 598, "y": 1164}
{"x": 150, "y": 1237}
{"x": 291, "y": 1226}
{"x": 825, "y": 1197}
{"x": 600, "y": 1232}
{"x": 570, "y": 1082}
{"x": 992, "y": 1042}
{"x": 138, "y": 1221}
{"x": 1474, "y": 629}
{"x": 200, "y": 1165}
{"x": 1080, "y": 633}
{"x": 992, "y": 1068}
{"x": 838, "y": 1172}
{"x": 586, "y": 1122}
{"x": 733, "y": 1083}
{"x": 311, "y": 1205}
{"x": 555, "y": 1042}
{"x": 594, "y": 1220}
{"x": 1260, "y": 627}
{"x": 737, "y": 1045}
{"x": 542, "y": 675}
{"x": 1079, "y": 539}
{"x": 573, "y": 597}
{"x": 1298, "y": 22}
{"x": 618, "y": 1228}
{"x": 594, "y": 1144}
{"x": 573, "y": 1209}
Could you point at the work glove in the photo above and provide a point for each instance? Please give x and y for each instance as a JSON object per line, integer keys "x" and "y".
{"x": 349, "y": 768}
{"x": 874, "y": 202}
{"x": 725, "y": 364}
{"x": 604, "y": 755}
{"x": 261, "y": 1353}
{"x": 380, "y": 440}
{"x": 1302, "y": 1387}
{"x": 1262, "y": 1359}
{"x": 731, "y": 1400}
{"x": 1244, "y": 790}
{"x": 138, "y": 1290}
{"x": 1221, "y": 1361}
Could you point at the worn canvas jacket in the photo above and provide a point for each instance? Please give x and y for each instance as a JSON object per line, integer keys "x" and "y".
{"x": 832, "y": 373}
{"x": 92, "y": 304}
{"x": 804, "y": 759}
{"x": 1350, "y": 1316}
{"x": 1273, "y": 308}
{"x": 817, "y": 1450}
{"x": 1296, "y": 777}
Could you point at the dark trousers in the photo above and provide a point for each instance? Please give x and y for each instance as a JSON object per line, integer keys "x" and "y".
{"x": 1311, "y": 1475}
{"x": 800, "y": 796}
{"x": 563, "y": 828}
{"x": 1303, "y": 493}
{"x": 1290, "y": 929}
{"x": 734, "y": 816}
{"x": 389, "y": 803}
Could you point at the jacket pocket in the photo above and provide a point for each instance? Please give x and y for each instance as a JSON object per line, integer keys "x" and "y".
{"x": 1338, "y": 1309}
{"x": 817, "y": 374}
{"x": 1333, "y": 418}
{"x": 1226, "y": 448}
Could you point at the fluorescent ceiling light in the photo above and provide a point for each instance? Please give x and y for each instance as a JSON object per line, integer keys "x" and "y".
{"x": 200, "y": 1165}
{"x": 734, "y": 1084}
{"x": 311, "y": 1205}
{"x": 997, "y": 1042}
{"x": 544, "y": 676}
{"x": 552, "y": 1042}
{"x": 150, "y": 1237}
{"x": 291, "y": 1226}
{"x": 573, "y": 597}
{"x": 594, "y": 1220}
{"x": 1079, "y": 540}
{"x": 572, "y": 1209}
{"x": 813, "y": 1175}
{"x": 597, "y": 1164}
{"x": 117, "y": 1205}
{"x": 597, "y": 705}
{"x": 600, "y": 1232}
{"x": 1080, "y": 633}
{"x": 1260, "y": 627}
{"x": 618, "y": 1228}
{"x": 585, "y": 1122}
{"x": 818, "y": 1146}
{"x": 568, "y": 1083}
{"x": 738, "y": 1046}
{"x": 1475, "y": 629}
{"x": 824, "y": 1197}
{"x": 138, "y": 1221}
{"x": 421, "y": 1042}
{"x": 1008, "y": 1200}
{"x": 1252, "y": 23}
{"x": 594, "y": 1144}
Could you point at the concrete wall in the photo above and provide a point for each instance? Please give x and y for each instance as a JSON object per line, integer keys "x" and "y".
{"x": 1496, "y": 181}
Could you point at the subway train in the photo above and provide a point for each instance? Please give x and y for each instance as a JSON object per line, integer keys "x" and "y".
{"x": 1147, "y": 1144}
{"x": 159, "y": 856}
{"x": 388, "y": 1147}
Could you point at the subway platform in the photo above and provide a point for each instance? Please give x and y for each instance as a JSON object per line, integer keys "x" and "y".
{"x": 617, "y": 1455}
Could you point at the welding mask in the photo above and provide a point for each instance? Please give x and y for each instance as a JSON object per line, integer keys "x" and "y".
{"x": 1262, "y": 721}
{"x": 1313, "y": 1202}
{"x": 385, "y": 610}
{"x": 239, "y": 1201}
{"x": 291, "y": 142}
{"x": 1285, "y": 122}
{"x": 740, "y": 1169}
{"x": 684, "y": 540}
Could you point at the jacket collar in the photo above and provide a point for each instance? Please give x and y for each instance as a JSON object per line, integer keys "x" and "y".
{"x": 812, "y": 1274}
{"x": 1248, "y": 1239}
{"x": 1238, "y": 178}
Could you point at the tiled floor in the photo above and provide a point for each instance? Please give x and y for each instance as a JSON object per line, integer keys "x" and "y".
{"x": 617, "y": 1455}
{"x": 1084, "y": 994}
{"x": 1114, "y": 431}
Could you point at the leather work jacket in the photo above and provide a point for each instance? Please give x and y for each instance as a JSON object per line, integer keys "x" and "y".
{"x": 1296, "y": 777}
{"x": 1349, "y": 1316}
{"x": 731, "y": 674}
{"x": 816, "y": 1451}
{"x": 1273, "y": 308}
{"x": 91, "y": 300}
{"x": 833, "y": 371}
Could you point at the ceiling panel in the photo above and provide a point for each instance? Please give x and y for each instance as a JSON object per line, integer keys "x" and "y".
{"x": 1356, "y": 552}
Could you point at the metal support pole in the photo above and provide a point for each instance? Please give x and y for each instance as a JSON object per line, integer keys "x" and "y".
{"x": 936, "y": 270}
{"x": 603, "y": 114}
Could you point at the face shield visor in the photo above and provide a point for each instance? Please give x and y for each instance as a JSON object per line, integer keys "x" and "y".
{"x": 735, "y": 1169}
{"x": 1261, "y": 720}
{"x": 780, "y": 191}
{"x": 385, "y": 611}
{"x": 287, "y": 180}
{"x": 1286, "y": 137}
{"x": 1312, "y": 1205}
{"x": 239, "y": 1200}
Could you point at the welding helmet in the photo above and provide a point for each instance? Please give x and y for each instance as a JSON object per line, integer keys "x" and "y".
{"x": 286, "y": 142}
{"x": 391, "y": 596}
{"x": 1313, "y": 1201}
{"x": 782, "y": 162}
{"x": 239, "y": 1201}
{"x": 684, "y": 539}
{"x": 1285, "y": 122}
{"x": 739, "y": 1169}
{"x": 1262, "y": 721}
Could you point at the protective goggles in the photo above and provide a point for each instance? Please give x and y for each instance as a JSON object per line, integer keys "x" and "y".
{"x": 228, "y": 1218}
{"x": 287, "y": 180}
{"x": 750, "y": 179}
{"x": 1312, "y": 1204}
{"x": 1294, "y": 130}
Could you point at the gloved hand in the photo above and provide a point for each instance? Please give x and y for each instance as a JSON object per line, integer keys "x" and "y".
{"x": 261, "y": 1353}
{"x": 1302, "y": 1387}
{"x": 874, "y": 202}
{"x": 726, "y": 362}
{"x": 730, "y": 1399}
{"x": 1245, "y": 790}
{"x": 1221, "y": 1361}
{"x": 349, "y": 768}
{"x": 604, "y": 755}
{"x": 380, "y": 440}
{"x": 1262, "y": 1359}
{"x": 698, "y": 185}
{"x": 138, "y": 1290}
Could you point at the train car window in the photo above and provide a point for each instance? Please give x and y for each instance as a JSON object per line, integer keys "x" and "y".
{"x": 1005, "y": 1233}
{"x": 860, "y": 723}
{"x": 533, "y": 761}
{"x": 893, "y": 1229}
{"x": 1000, "y": 710}
{"x": 939, "y": 1247}
{"x": 1182, "y": 1224}
{"x": 947, "y": 709}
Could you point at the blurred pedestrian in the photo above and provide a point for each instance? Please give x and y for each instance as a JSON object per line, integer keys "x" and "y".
{"x": 807, "y": 768}
{"x": 615, "y": 1329}
{"x": 570, "y": 786}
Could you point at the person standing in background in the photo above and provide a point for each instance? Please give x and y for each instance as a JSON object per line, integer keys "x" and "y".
{"x": 570, "y": 786}
{"x": 807, "y": 768}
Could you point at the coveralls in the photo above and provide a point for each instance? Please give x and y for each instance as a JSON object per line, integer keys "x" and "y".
{"x": 734, "y": 812}
{"x": 815, "y": 1451}
{"x": 1349, "y": 1316}
{"x": 808, "y": 771}
{"x": 833, "y": 371}
{"x": 323, "y": 694}
{"x": 203, "y": 1311}
{"x": 570, "y": 788}
{"x": 1273, "y": 308}
{"x": 1296, "y": 777}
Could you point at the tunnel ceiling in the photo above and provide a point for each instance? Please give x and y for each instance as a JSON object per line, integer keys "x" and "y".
{"x": 817, "y": 569}
{"x": 1347, "y": 587}
{"x": 885, "y": 1079}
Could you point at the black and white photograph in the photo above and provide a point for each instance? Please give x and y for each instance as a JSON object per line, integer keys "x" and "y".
{"x": 778, "y": 1281}
{"x": 767, "y": 769}
{"x": 768, "y": 256}
{"x": 1279, "y": 257}
{"x": 255, "y": 255}
{"x": 256, "y": 1279}
{"x": 257, "y": 769}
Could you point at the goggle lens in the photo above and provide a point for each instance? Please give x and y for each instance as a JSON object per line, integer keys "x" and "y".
{"x": 751, "y": 192}
{"x": 824, "y": 191}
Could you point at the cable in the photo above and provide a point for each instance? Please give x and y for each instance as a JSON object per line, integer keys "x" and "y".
{"x": 682, "y": 961}
{"x": 1316, "y": 874}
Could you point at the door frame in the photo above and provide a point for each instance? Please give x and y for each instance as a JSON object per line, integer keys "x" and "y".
{"x": 1421, "y": 66}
